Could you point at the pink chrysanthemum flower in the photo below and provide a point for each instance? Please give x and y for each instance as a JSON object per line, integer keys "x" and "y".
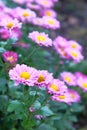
{"x": 37, "y": 21}
{"x": 68, "y": 49}
{"x": 10, "y": 23}
{"x": 69, "y": 78}
{"x": 60, "y": 42}
{"x": 56, "y": 87}
{"x": 48, "y": 12}
{"x": 45, "y": 3}
{"x": 63, "y": 54}
{"x": 25, "y": 15}
{"x": 74, "y": 45}
{"x": 4, "y": 33}
{"x": 75, "y": 97}
{"x": 10, "y": 56}
{"x": 16, "y": 33}
{"x": 74, "y": 54}
{"x": 66, "y": 97}
{"x": 50, "y": 22}
{"x": 82, "y": 82}
{"x": 40, "y": 38}
{"x": 79, "y": 75}
{"x": 22, "y": 74}
{"x": 43, "y": 78}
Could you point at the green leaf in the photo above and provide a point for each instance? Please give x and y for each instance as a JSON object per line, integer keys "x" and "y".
{"x": 46, "y": 111}
{"x": 3, "y": 101}
{"x": 2, "y": 49}
{"x": 76, "y": 108}
{"x": 3, "y": 86}
{"x": 46, "y": 127}
{"x": 37, "y": 104}
{"x": 15, "y": 105}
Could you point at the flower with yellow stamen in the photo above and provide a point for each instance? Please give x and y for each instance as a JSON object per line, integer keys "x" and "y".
{"x": 22, "y": 74}
{"x": 56, "y": 87}
{"x": 40, "y": 38}
{"x": 43, "y": 78}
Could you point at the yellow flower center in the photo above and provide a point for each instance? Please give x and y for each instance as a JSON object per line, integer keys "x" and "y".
{"x": 45, "y": 2}
{"x": 10, "y": 58}
{"x": 48, "y": 13}
{"x": 68, "y": 79}
{"x": 10, "y": 25}
{"x": 62, "y": 97}
{"x": 84, "y": 85}
{"x": 74, "y": 54}
{"x": 51, "y": 22}
{"x": 25, "y": 75}
{"x": 41, "y": 38}
{"x": 73, "y": 96}
{"x": 74, "y": 45}
{"x": 26, "y": 14}
{"x": 54, "y": 87}
{"x": 41, "y": 78}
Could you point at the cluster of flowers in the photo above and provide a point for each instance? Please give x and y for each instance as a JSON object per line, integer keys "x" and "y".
{"x": 9, "y": 26}
{"x": 23, "y": 74}
{"x": 11, "y": 19}
{"x": 68, "y": 49}
{"x": 76, "y": 79}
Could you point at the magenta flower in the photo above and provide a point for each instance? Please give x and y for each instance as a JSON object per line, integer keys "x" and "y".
{"x": 40, "y": 38}
{"x": 22, "y": 74}
{"x": 10, "y": 56}
{"x": 50, "y": 22}
{"x": 37, "y": 21}
{"x": 60, "y": 42}
{"x": 56, "y": 87}
{"x": 9, "y": 23}
{"x": 74, "y": 54}
{"x": 75, "y": 97}
{"x": 69, "y": 78}
{"x": 74, "y": 45}
{"x": 66, "y": 97}
{"x": 82, "y": 81}
{"x": 31, "y": 109}
{"x": 43, "y": 78}
{"x": 48, "y": 12}
{"x": 16, "y": 33}
{"x": 45, "y": 3}
{"x": 68, "y": 49}
{"x": 5, "y": 34}
{"x": 25, "y": 15}
{"x": 38, "y": 117}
